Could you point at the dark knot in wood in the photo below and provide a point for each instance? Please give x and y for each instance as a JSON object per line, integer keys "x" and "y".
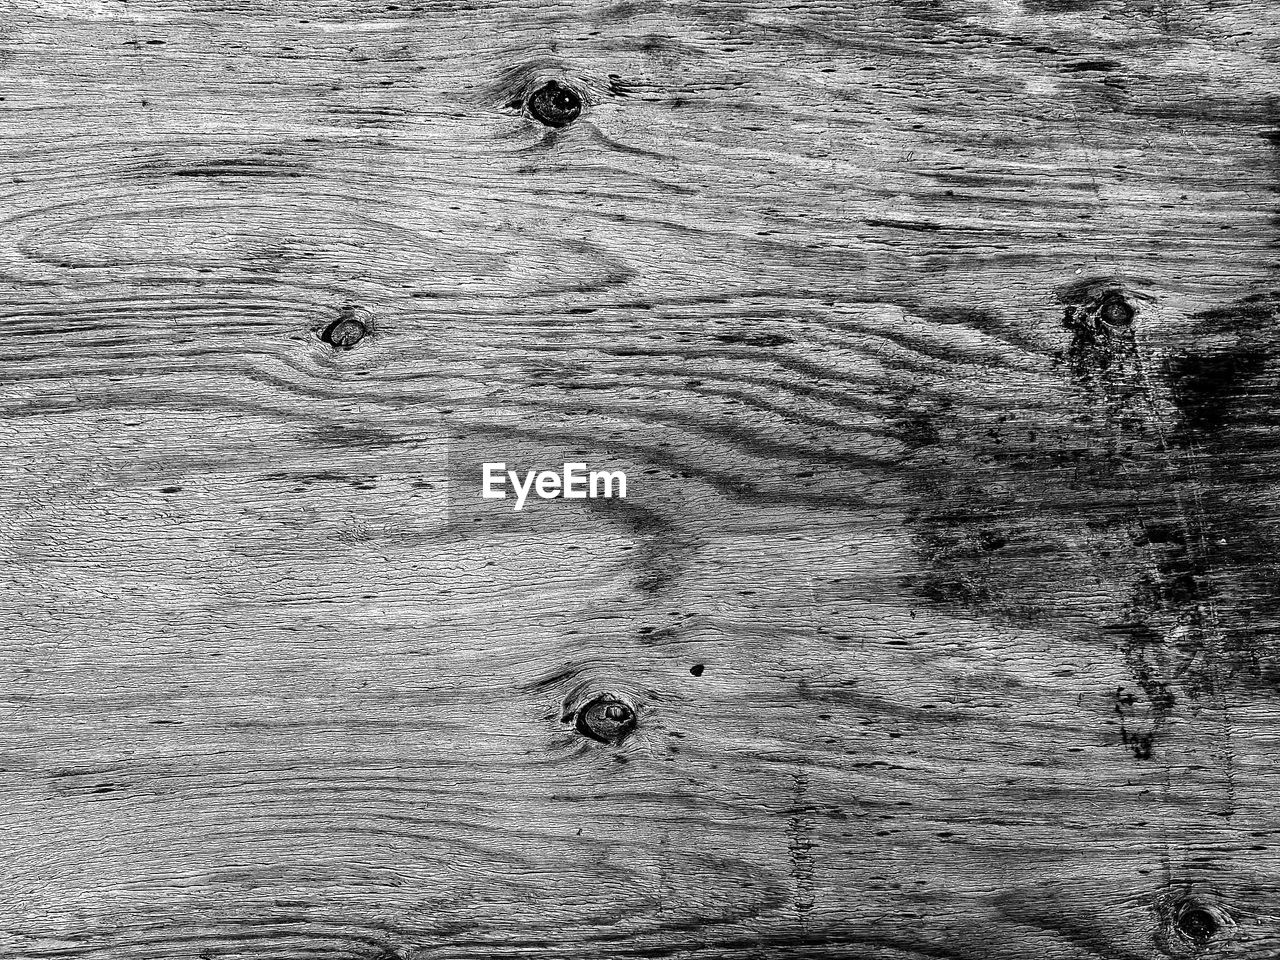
{"x": 605, "y": 718}
{"x": 1197, "y": 923}
{"x": 1191, "y": 923}
{"x": 554, "y": 105}
{"x": 1102, "y": 335}
{"x": 1104, "y": 317}
{"x": 1114, "y": 311}
{"x": 345, "y": 332}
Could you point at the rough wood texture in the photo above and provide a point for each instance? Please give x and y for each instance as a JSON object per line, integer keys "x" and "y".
{"x": 938, "y": 339}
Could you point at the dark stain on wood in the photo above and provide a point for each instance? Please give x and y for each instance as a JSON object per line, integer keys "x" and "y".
{"x": 661, "y": 547}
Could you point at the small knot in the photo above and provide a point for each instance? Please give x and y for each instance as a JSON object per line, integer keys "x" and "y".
{"x": 1191, "y": 923}
{"x": 697, "y": 669}
{"x": 1115, "y": 311}
{"x": 554, "y": 105}
{"x": 1102, "y": 317}
{"x": 605, "y": 718}
{"x": 345, "y": 332}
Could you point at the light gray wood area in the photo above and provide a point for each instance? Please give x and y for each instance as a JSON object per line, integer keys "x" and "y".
{"x": 937, "y": 339}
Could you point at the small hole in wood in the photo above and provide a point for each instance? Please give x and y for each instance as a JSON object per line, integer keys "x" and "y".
{"x": 554, "y": 105}
{"x": 697, "y": 669}
{"x": 605, "y": 718}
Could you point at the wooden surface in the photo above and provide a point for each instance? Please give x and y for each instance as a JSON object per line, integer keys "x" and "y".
{"x": 945, "y": 593}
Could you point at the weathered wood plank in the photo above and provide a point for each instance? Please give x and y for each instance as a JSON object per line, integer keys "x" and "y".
{"x": 937, "y": 339}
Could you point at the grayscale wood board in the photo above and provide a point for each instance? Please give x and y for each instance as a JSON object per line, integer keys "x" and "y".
{"x": 937, "y": 339}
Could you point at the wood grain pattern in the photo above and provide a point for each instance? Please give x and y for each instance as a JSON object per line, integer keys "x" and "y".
{"x": 938, "y": 339}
